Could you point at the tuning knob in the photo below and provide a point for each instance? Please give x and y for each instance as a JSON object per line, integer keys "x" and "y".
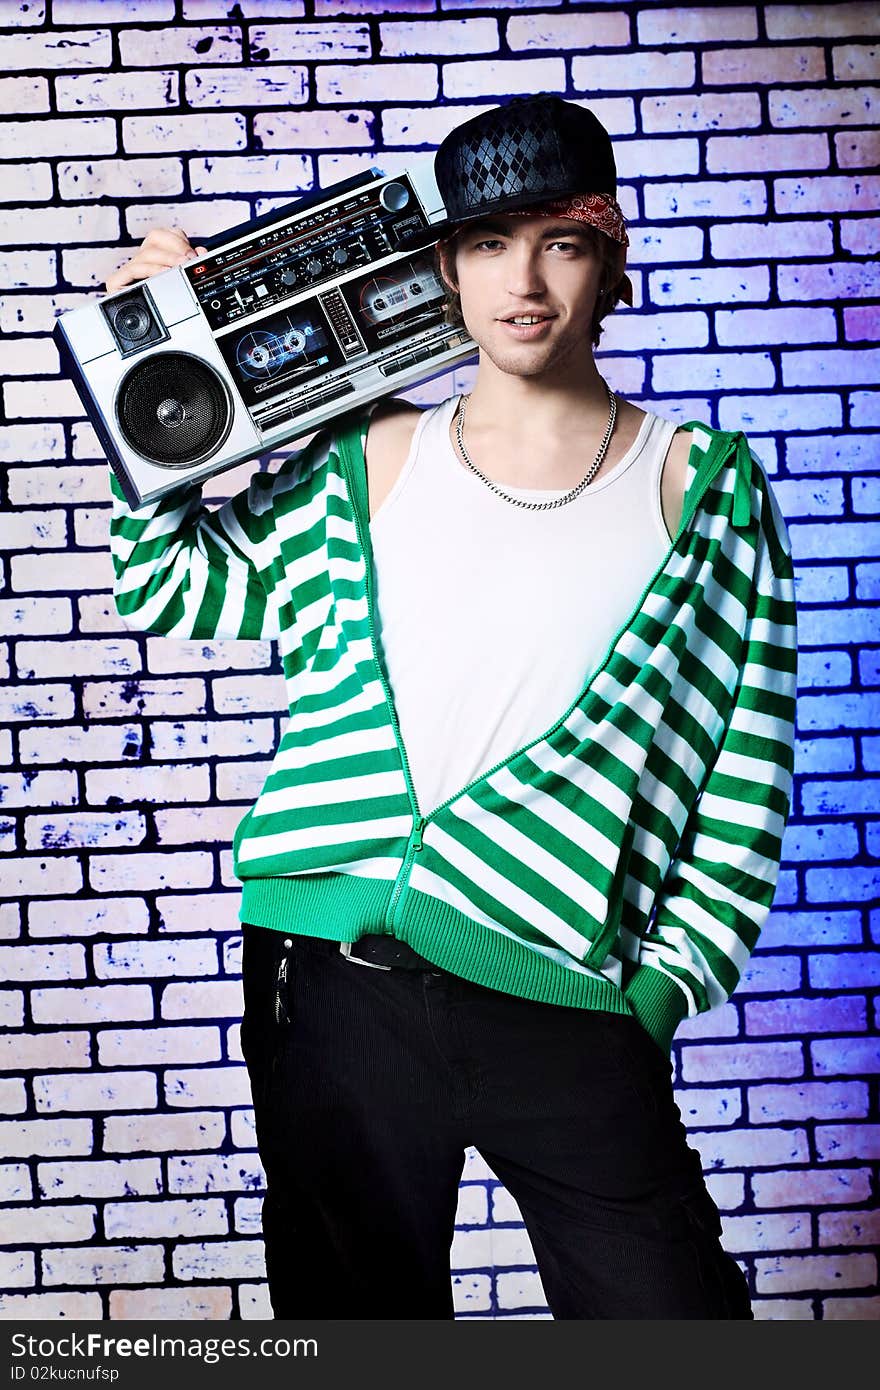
{"x": 340, "y": 255}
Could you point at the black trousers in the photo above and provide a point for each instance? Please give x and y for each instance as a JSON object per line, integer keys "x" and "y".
{"x": 369, "y": 1084}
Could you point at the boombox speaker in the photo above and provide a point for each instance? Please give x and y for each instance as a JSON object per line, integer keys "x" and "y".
{"x": 288, "y": 321}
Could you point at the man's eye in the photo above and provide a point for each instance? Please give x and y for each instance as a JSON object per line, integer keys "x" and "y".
{"x": 489, "y": 241}
{"x": 566, "y": 245}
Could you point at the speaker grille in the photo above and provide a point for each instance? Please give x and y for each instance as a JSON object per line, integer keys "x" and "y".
{"x": 173, "y": 409}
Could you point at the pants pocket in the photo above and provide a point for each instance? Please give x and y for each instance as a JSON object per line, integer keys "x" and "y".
{"x": 726, "y": 1286}
{"x": 267, "y": 975}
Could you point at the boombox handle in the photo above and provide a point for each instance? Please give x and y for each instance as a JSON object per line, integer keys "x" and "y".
{"x": 320, "y": 195}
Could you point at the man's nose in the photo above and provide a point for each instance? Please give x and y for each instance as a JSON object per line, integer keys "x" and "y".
{"x": 524, "y": 273}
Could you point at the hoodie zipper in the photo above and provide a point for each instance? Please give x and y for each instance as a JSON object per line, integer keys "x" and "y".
{"x": 704, "y": 476}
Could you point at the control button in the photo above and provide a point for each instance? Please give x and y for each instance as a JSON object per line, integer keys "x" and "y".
{"x": 394, "y": 196}
{"x": 340, "y": 255}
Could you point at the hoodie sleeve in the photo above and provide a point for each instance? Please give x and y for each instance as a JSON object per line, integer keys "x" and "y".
{"x": 719, "y": 888}
{"x": 184, "y": 571}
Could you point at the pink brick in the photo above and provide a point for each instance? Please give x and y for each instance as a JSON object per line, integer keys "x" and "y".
{"x": 791, "y": 1273}
{"x": 170, "y": 45}
{"x": 403, "y": 38}
{"x": 732, "y": 111}
{"x": 209, "y": 1304}
{"x": 728, "y": 198}
{"x": 279, "y": 85}
{"x": 847, "y": 1056}
{"x": 110, "y": 11}
{"x": 164, "y": 657}
{"x": 156, "y": 135}
{"x": 88, "y": 917}
{"x": 845, "y": 367}
{"x": 198, "y": 825}
{"x": 117, "y": 91}
{"x": 790, "y": 1231}
{"x": 744, "y": 327}
{"x": 110, "y": 873}
{"x": 720, "y": 1061}
{"x": 299, "y": 42}
{"x": 257, "y": 173}
{"x": 633, "y": 71}
{"x": 52, "y": 1307}
{"x": 753, "y": 67}
{"x": 79, "y": 48}
{"x": 110, "y": 699}
{"x": 862, "y": 323}
{"x": 24, "y": 95}
{"x": 294, "y": 130}
{"x": 837, "y": 1143}
{"x": 849, "y": 1228}
{"x": 39, "y": 876}
{"x": 834, "y": 281}
{"x": 802, "y": 1188}
{"x": 375, "y": 81}
{"x": 158, "y": 1047}
{"x": 861, "y": 235}
{"x": 770, "y": 241}
{"x": 800, "y": 1016}
{"x": 855, "y": 62}
{"x": 858, "y": 149}
{"x": 694, "y": 25}
{"x": 35, "y": 1051}
{"x": 851, "y": 1309}
{"x": 830, "y": 107}
{"x": 502, "y": 77}
{"x": 820, "y": 21}
{"x": 90, "y": 135}
{"x": 810, "y": 1100}
{"x": 834, "y": 193}
{"x": 559, "y": 32}
{"x": 746, "y": 154}
{"x": 131, "y": 1134}
{"x": 749, "y": 1148}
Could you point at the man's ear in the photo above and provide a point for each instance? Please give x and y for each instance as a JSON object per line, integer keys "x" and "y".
{"x": 446, "y": 259}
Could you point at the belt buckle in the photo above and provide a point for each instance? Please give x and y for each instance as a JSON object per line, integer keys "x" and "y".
{"x": 345, "y": 949}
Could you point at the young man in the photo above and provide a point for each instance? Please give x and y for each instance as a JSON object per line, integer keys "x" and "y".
{"x": 527, "y": 812}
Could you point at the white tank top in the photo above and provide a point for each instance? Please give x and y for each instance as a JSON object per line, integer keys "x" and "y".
{"x": 491, "y": 618}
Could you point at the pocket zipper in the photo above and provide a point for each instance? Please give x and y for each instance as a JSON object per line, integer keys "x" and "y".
{"x": 281, "y": 1015}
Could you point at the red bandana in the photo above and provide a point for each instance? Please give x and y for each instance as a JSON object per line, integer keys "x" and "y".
{"x": 599, "y": 209}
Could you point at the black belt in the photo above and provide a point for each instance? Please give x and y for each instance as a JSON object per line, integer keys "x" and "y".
{"x": 384, "y": 953}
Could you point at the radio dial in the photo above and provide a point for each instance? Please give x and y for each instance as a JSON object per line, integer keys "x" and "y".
{"x": 394, "y": 196}
{"x": 313, "y": 266}
{"x": 340, "y": 255}
{"x": 288, "y": 277}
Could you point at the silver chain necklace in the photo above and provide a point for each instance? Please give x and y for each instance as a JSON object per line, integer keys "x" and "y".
{"x": 554, "y": 501}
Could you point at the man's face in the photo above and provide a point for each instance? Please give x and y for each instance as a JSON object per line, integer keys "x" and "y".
{"x": 534, "y": 267}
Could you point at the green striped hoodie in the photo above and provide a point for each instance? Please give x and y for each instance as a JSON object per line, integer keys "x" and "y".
{"x": 626, "y": 860}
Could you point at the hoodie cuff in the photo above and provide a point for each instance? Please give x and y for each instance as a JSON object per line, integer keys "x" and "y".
{"x": 658, "y": 1004}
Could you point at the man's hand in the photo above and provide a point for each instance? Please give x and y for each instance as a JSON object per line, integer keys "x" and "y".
{"x": 160, "y": 249}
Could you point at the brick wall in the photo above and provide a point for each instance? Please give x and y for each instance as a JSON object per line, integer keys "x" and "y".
{"x": 746, "y": 138}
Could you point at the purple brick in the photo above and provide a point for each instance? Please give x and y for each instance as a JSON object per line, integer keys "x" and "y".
{"x": 837, "y": 1143}
{"x": 845, "y": 970}
{"x": 808, "y": 1100}
{"x": 821, "y": 1187}
{"x": 846, "y": 1056}
{"x": 801, "y": 1016}
{"x": 722, "y": 1061}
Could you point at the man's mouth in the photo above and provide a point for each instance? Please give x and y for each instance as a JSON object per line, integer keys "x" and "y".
{"x": 527, "y": 318}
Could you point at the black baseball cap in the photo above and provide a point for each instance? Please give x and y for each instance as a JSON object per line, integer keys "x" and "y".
{"x": 530, "y": 150}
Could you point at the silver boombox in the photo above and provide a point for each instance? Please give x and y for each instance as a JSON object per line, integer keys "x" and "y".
{"x": 289, "y": 320}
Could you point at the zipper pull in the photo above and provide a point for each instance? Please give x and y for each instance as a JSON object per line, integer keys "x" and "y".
{"x": 417, "y": 834}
